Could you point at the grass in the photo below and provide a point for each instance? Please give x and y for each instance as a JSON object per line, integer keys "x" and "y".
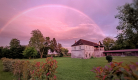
{"x": 74, "y": 69}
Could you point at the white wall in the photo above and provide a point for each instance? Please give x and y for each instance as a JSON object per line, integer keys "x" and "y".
{"x": 86, "y": 52}
{"x": 77, "y": 54}
{"x": 82, "y": 51}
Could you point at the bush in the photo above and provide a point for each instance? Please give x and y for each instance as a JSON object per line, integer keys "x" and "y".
{"x": 44, "y": 70}
{"x": 31, "y": 71}
{"x": 7, "y": 64}
{"x": 92, "y": 57}
{"x": 109, "y": 58}
{"x": 18, "y": 68}
{"x": 117, "y": 71}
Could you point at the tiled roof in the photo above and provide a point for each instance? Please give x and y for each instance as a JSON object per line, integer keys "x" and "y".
{"x": 85, "y": 42}
{"x": 125, "y": 50}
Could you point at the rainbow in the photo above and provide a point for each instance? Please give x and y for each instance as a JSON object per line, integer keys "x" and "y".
{"x": 31, "y": 9}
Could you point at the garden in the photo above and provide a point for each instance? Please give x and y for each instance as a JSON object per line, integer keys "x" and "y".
{"x": 70, "y": 68}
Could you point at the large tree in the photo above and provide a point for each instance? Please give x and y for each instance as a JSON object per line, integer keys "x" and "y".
{"x": 128, "y": 25}
{"x": 108, "y": 43}
{"x": 37, "y": 40}
{"x": 14, "y": 43}
{"x": 64, "y": 51}
{"x": 16, "y": 49}
{"x": 59, "y": 49}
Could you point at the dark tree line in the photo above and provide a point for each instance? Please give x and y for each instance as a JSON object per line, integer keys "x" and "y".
{"x": 38, "y": 47}
{"x": 13, "y": 51}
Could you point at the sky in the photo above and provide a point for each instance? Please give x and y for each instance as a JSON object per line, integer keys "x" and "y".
{"x": 66, "y": 20}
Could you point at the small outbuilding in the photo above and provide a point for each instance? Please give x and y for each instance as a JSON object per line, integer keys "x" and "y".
{"x": 125, "y": 52}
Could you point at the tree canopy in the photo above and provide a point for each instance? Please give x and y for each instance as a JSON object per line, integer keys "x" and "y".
{"x": 14, "y": 42}
{"x": 108, "y": 43}
{"x": 29, "y": 52}
{"x": 128, "y": 25}
{"x": 37, "y": 41}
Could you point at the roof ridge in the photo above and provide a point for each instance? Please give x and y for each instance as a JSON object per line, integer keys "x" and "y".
{"x": 85, "y": 42}
{"x": 88, "y": 41}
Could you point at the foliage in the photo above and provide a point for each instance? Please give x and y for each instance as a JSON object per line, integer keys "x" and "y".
{"x": 117, "y": 71}
{"x": 7, "y": 64}
{"x": 109, "y": 58}
{"x": 44, "y": 70}
{"x": 16, "y": 52}
{"x": 31, "y": 71}
{"x": 6, "y": 52}
{"x": 128, "y": 26}
{"x": 14, "y": 42}
{"x": 37, "y": 41}
{"x": 1, "y": 52}
{"x": 108, "y": 43}
{"x": 59, "y": 50}
{"x": 26, "y": 70}
{"x": 30, "y": 51}
{"x": 64, "y": 51}
{"x": 18, "y": 68}
{"x": 13, "y": 52}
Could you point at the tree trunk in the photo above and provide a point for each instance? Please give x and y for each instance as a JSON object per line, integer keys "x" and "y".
{"x": 41, "y": 56}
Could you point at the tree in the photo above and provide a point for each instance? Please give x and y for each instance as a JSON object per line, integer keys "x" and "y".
{"x": 54, "y": 44}
{"x": 14, "y": 42}
{"x": 6, "y": 52}
{"x": 64, "y": 51}
{"x": 128, "y": 25}
{"x": 37, "y": 40}
{"x": 108, "y": 43}
{"x": 1, "y": 52}
{"x": 59, "y": 50}
{"x": 47, "y": 45}
{"x": 29, "y": 52}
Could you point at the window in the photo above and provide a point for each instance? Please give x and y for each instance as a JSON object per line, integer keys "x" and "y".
{"x": 75, "y": 48}
{"x": 80, "y": 47}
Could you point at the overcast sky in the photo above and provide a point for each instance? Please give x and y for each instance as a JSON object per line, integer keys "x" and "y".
{"x": 66, "y": 20}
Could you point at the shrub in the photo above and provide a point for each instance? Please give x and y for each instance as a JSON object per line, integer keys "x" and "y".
{"x": 117, "y": 71}
{"x": 44, "y": 70}
{"x": 26, "y": 70}
{"x": 109, "y": 58}
{"x": 7, "y": 64}
{"x": 31, "y": 71}
{"x": 18, "y": 68}
{"x": 92, "y": 57}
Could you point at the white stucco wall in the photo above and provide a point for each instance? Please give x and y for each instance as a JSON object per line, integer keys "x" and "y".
{"x": 82, "y": 51}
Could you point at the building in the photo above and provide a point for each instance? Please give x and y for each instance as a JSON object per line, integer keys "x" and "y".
{"x": 85, "y": 49}
{"x": 125, "y": 52}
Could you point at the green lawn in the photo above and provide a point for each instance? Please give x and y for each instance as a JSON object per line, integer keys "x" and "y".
{"x": 74, "y": 69}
